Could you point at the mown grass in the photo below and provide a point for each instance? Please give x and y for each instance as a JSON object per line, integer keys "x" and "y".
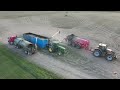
{"x": 13, "y": 66}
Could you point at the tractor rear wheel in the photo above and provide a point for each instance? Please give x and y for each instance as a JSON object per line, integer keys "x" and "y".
{"x": 97, "y": 53}
{"x": 109, "y": 57}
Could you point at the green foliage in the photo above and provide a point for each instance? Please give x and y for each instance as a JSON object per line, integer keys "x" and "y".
{"x": 12, "y": 66}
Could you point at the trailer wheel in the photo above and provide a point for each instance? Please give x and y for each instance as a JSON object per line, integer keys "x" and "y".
{"x": 73, "y": 44}
{"x": 78, "y": 46}
{"x": 109, "y": 57}
{"x": 26, "y": 52}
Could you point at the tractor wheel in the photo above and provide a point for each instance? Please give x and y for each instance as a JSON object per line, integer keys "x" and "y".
{"x": 97, "y": 53}
{"x": 50, "y": 50}
{"x": 109, "y": 57}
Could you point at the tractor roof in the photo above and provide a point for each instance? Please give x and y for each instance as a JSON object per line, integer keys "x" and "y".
{"x": 101, "y": 44}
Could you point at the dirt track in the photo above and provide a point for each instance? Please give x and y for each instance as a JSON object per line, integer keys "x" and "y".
{"x": 95, "y": 26}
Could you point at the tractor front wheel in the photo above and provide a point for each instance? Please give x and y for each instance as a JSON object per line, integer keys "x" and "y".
{"x": 97, "y": 53}
{"x": 109, "y": 57}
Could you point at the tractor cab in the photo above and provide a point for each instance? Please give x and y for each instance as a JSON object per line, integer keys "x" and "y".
{"x": 55, "y": 46}
{"x": 102, "y": 46}
{"x": 11, "y": 39}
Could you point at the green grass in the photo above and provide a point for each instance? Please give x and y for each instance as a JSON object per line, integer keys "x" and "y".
{"x": 12, "y": 66}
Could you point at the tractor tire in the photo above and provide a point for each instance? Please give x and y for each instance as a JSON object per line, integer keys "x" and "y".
{"x": 97, "y": 53}
{"x": 109, "y": 57}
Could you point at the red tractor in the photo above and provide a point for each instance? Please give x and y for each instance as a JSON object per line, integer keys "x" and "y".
{"x": 11, "y": 39}
{"x": 77, "y": 42}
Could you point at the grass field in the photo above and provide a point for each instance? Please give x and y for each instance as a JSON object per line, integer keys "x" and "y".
{"x": 12, "y": 66}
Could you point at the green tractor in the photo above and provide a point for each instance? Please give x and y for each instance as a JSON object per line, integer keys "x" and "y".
{"x": 103, "y": 51}
{"x": 56, "y": 47}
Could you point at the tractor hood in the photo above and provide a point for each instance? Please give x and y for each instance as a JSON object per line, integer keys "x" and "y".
{"x": 61, "y": 47}
{"x": 109, "y": 50}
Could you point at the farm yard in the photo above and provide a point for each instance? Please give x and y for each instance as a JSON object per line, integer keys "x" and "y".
{"x": 96, "y": 26}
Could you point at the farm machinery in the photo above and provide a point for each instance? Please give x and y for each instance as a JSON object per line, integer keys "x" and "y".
{"x": 53, "y": 46}
{"x": 77, "y": 42}
{"x": 31, "y": 41}
{"x": 28, "y": 47}
{"x": 102, "y": 51}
